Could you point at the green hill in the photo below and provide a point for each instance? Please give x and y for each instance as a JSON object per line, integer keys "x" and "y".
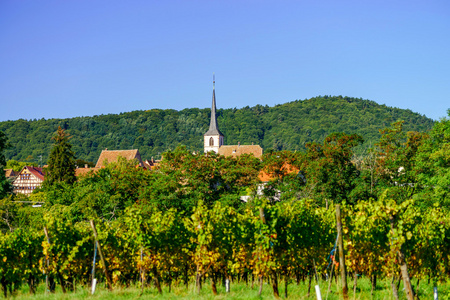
{"x": 286, "y": 126}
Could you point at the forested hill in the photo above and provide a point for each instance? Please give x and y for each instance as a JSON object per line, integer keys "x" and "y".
{"x": 286, "y": 126}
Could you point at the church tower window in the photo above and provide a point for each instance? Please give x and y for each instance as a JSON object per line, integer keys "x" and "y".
{"x": 211, "y": 141}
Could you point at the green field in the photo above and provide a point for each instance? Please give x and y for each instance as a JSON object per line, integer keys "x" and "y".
{"x": 239, "y": 291}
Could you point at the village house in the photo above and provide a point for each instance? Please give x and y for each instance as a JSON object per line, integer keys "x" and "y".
{"x": 111, "y": 156}
{"x": 10, "y": 174}
{"x": 28, "y": 179}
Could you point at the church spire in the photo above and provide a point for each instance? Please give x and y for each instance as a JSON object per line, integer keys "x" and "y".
{"x": 213, "y": 127}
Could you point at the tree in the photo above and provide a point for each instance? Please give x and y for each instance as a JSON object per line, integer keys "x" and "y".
{"x": 61, "y": 162}
{"x": 433, "y": 164}
{"x": 18, "y": 165}
{"x": 396, "y": 160}
{"x": 5, "y": 186}
{"x": 154, "y": 131}
{"x": 183, "y": 178}
{"x": 329, "y": 169}
{"x": 286, "y": 178}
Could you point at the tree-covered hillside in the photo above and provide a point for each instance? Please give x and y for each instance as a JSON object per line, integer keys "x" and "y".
{"x": 286, "y": 126}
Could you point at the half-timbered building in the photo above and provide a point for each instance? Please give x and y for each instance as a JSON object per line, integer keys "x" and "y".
{"x": 28, "y": 179}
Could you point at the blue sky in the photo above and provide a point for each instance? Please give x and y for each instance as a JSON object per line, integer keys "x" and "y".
{"x": 62, "y": 59}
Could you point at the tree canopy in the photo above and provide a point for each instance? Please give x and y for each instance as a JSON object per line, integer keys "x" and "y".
{"x": 5, "y": 186}
{"x": 61, "y": 162}
{"x": 289, "y": 126}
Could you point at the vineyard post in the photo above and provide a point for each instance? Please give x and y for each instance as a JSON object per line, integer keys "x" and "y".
{"x": 318, "y": 295}
{"x": 263, "y": 219}
{"x": 141, "y": 272}
{"x": 48, "y": 263}
{"x": 317, "y": 287}
{"x": 331, "y": 278}
{"x": 61, "y": 281}
{"x": 94, "y": 281}
{"x": 315, "y": 272}
{"x": 403, "y": 266}
{"x": 341, "y": 252}
{"x": 105, "y": 269}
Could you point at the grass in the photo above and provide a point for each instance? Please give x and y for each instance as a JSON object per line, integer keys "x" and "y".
{"x": 238, "y": 291}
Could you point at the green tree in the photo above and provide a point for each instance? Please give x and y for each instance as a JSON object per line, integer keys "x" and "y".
{"x": 5, "y": 186}
{"x": 330, "y": 173}
{"x": 61, "y": 162}
{"x": 18, "y": 165}
{"x": 396, "y": 154}
{"x": 155, "y": 131}
{"x": 286, "y": 180}
{"x": 107, "y": 192}
{"x": 184, "y": 178}
{"x": 8, "y": 214}
{"x": 433, "y": 164}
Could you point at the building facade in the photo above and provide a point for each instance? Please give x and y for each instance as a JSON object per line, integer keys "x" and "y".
{"x": 28, "y": 179}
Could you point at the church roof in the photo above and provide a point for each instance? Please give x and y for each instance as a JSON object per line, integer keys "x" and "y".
{"x": 236, "y": 150}
{"x": 110, "y": 156}
{"x": 213, "y": 127}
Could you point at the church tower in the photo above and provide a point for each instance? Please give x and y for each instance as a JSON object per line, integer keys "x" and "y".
{"x": 213, "y": 138}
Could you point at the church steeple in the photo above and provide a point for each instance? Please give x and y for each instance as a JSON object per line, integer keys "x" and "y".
{"x": 213, "y": 127}
{"x": 213, "y": 138}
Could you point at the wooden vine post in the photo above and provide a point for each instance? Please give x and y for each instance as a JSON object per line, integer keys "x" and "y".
{"x": 341, "y": 252}
{"x": 47, "y": 278}
{"x": 403, "y": 266}
{"x": 105, "y": 269}
{"x": 60, "y": 278}
{"x": 142, "y": 272}
{"x": 263, "y": 219}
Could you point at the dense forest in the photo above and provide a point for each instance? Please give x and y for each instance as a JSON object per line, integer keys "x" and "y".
{"x": 288, "y": 126}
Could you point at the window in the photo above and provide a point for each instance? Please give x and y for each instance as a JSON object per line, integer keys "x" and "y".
{"x": 211, "y": 142}
{"x": 25, "y": 176}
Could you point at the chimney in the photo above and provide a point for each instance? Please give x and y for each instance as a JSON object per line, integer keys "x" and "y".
{"x": 239, "y": 143}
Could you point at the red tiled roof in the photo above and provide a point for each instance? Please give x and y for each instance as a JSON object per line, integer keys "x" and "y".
{"x": 265, "y": 177}
{"x": 236, "y": 150}
{"x": 110, "y": 156}
{"x": 84, "y": 171}
{"x": 36, "y": 172}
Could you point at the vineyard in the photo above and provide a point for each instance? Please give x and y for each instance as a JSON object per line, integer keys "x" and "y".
{"x": 288, "y": 242}
{"x": 319, "y": 218}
